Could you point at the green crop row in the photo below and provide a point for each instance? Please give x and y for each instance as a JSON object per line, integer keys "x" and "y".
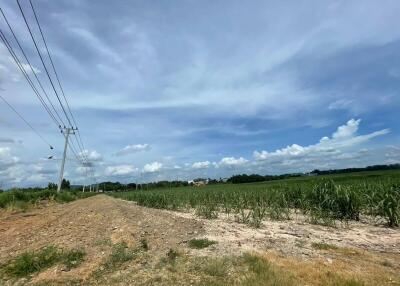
{"x": 324, "y": 201}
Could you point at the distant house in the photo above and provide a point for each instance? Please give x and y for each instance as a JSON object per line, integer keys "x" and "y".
{"x": 198, "y": 183}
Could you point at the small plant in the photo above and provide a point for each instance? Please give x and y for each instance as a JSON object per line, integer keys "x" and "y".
{"x": 257, "y": 215}
{"x": 208, "y": 211}
{"x": 387, "y": 263}
{"x": 144, "y": 244}
{"x": 64, "y": 197}
{"x": 243, "y": 216}
{"x": 73, "y": 258}
{"x": 262, "y": 272}
{"x": 323, "y": 246}
{"x": 217, "y": 267}
{"x": 339, "y": 281}
{"x": 200, "y": 243}
{"x": 389, "y": 206}
{"x": 172, "y": 255}
{"x": 36, "y": 261}
{"x": 120, "y": 253}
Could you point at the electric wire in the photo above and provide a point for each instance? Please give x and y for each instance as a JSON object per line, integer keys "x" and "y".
{"x": 82, "y": 157}
{"x": 26, "y": 122}
{"x": 52, "y": 63}
{"x": 22, "y": 69}
{"x": 43, "y": 63}
{"x": 78, "y": 138}
{"x": 32, "y": 69}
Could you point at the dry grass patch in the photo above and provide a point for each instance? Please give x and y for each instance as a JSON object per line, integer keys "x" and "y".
{"x": 342, "y": 266}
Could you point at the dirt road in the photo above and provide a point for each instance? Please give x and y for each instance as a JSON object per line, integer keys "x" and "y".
{"x": 96, "y": 223}
{"x": 87, "y": 223}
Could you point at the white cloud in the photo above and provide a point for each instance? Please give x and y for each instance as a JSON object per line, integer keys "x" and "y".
{"x": 28, "y": 69}
{"x": 152, "y": 167}
{"x": 201, "y": 165}
{"x": 6, "y": 159}
{"x": 91, "y": 155}
{"x": 120, "y": 170}
{"x": 343, "y": 139}
{"x": 133, "y": 149}
{"x": 4, "y": 151}
{"x": 232, "y": 162}
{"x": 82, "y": 170}
{"x": 348, "y": 130}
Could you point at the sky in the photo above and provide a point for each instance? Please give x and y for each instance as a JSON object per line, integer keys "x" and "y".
{"x": 184, "y": 89}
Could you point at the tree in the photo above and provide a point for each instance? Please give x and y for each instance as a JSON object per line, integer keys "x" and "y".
{"x": 65, "y": 185}
{"x": 52, "y": 186}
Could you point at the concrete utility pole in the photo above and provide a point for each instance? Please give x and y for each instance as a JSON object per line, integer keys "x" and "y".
{"x": 67, "y": 131}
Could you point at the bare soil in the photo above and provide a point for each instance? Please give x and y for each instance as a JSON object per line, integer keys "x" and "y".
{"x": 373, "y": 252}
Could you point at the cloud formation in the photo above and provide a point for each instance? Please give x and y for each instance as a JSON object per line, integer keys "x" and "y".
{"x": 345, "y": 138}
{"x": 201, "y": 165}
{"x": 133, "y": 149}
{"x": 121, "y": 170}
{"x": 208, "y": 87}
{"x": 152, "y": 167}
{"x": 231, "y": 162}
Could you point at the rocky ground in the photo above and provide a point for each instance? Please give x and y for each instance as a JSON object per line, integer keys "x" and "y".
{"x": 368, "y": 253}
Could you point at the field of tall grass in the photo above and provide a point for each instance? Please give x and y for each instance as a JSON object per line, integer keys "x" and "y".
{"x": 24, "y": 199}
{"x": 323, "y": 199}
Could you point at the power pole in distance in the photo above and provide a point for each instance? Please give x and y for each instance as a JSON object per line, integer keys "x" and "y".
{"x": 67, "y": 131}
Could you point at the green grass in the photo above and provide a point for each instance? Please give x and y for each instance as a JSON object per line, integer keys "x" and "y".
{"x": 200, "y": 243}
{"x": 337, "y": 281}
{"x": 35, "y": 261}
{"x": 217, "y": 267}
{"x": 120, "y": 253}
{"x": 73, "y": 258}
{"x": 262, "y": 272}
{"x": 323, "y": 199}
{"x": 246, "y": 270}
{"x": 24, "y": 199}
{"x": 323, "y": 246}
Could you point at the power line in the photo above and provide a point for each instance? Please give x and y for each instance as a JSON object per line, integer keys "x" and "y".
{"x": 22, "y": 69}
{"x": 52, "y": 64}
{"x": 32, "y": 69}
{"x": 26, "y": 122}
{"x": 43, "y": 63}
{"x": 82, "y": 157}
{"x": 78, "y": 139}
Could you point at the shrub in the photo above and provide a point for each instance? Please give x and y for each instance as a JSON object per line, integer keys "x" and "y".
{"x": 120, "y": 253}
{"x": 323, "y": 246}
{"x": 200, "y": 243}
{"x": 36, "y": 261}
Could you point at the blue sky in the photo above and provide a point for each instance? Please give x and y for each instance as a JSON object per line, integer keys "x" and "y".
{"x": 182, "y": 89}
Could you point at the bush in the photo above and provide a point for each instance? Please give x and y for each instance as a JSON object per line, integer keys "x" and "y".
{"x": 36, "y": 261}
{"x": 200, "y": 243}
{"x": 323, "y": 246}
{"x": 120, "y": 253}
{"x": 22, "y": 199}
